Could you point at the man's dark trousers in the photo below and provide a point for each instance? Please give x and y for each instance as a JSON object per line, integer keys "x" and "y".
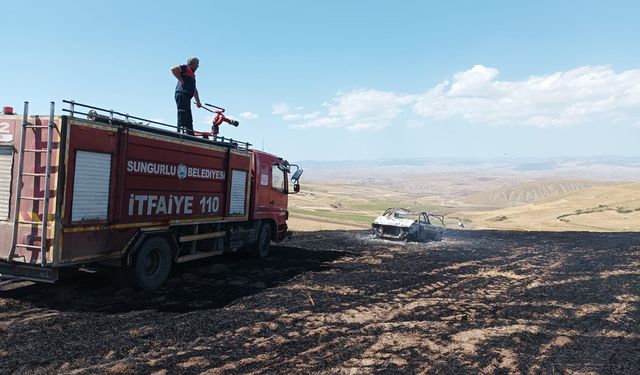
{"x": 185, "y": 120}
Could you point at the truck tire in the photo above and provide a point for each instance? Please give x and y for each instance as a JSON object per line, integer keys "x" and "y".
{"x": 151, "y": 264}
{"x": 261, "y": 249}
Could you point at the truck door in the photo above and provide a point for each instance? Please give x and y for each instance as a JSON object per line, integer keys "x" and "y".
{"x": 271, "y": 189}
{"x": 278, "y": 193}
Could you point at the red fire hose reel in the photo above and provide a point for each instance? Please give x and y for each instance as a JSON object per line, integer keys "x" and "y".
{"x": 217, "y": 120}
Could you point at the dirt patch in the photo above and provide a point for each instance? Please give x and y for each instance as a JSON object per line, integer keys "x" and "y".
{"x": 342, "y": 302}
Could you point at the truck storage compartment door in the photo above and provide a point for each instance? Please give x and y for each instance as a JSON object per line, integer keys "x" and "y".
{"x": 91, "y": 186}
{"x": 238, "y": 202}
{"x": 6, "y": 163}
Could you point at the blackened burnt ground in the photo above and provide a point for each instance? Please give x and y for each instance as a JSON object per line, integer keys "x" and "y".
{"x": 342, "y": 302}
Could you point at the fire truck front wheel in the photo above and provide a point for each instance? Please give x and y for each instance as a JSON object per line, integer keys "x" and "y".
{"x": 151, "y": 263}
{"x": 264, "y": 241}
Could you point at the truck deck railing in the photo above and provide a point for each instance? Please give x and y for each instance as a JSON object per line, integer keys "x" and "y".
{"x": 124, "y": 119}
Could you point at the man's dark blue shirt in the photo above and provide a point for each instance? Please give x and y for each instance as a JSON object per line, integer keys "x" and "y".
{"x": 189, "y": 79}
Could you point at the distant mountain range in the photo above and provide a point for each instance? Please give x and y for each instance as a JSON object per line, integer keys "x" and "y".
{"x": 607, "y": 168}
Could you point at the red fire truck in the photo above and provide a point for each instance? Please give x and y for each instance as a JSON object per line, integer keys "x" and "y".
{"x": 96, "y": 187}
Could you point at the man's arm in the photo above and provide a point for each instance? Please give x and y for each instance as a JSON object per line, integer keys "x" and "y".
{"x": 176, "y": 70}
{"x": 197, "y": 96}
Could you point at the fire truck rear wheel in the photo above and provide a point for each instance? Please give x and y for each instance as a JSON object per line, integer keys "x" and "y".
{"x": 264, "y": 241}
{"x": 151, "y": 263}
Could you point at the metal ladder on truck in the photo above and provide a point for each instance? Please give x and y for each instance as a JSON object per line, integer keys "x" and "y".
{"x": 17, "y": 220}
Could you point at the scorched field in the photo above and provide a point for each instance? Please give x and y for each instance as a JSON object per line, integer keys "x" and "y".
{"x": 345, "y": 303}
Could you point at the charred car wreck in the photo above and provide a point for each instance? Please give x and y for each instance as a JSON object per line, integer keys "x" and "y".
{"x": 401, "y": 224}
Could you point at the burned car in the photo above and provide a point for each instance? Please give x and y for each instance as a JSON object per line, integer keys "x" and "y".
{"x": 404, "y": 225}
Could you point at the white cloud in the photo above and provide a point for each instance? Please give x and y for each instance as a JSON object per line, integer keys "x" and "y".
{"x": 322, "y": 122}
{"x": 359, "y": 110}
{"x": 248, "y": 115}
{"x": 289, "y": 114}
{"x": 413, "y": 124}
{"x": 300, "y": 116}
{"x": 291, "y": 117}
{"x": 566, "y": 98}
{"x": 582, "y": 95}
{"x": 280, "y": 109}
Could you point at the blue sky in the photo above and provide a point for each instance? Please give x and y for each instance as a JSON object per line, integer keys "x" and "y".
{"x": 347, "y": 80}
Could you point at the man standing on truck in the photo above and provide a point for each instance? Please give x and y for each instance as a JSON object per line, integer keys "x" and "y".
{"x": 185, "y": 90}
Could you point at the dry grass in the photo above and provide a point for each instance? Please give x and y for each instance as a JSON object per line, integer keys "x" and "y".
{"x": 603, "y": 208}
{"x": 576, "y": 207}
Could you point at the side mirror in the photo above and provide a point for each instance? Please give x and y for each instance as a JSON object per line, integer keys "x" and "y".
{"x": 295, "y": 178}
{"x": 297, "y": 174}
